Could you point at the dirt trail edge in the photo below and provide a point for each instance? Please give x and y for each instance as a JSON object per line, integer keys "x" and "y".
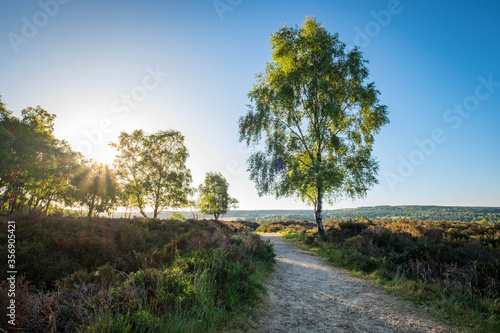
{"x": 308, "y": 295}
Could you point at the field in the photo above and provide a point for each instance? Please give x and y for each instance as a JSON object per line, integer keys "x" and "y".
{"x": 450, "y": 268}
{"x": 119, "y": 275}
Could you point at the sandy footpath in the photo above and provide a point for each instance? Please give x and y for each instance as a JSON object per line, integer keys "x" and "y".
{"x": 308, "y": 295}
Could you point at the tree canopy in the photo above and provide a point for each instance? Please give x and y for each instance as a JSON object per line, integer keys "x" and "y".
{"x": 96, "y": 188}
{"x": 152, "y": 169}
{"x": 317, "y": 116}
{"x": 214, "y": 196}
{"x": 35, "y": 168}
{"x": 40, "y": 172}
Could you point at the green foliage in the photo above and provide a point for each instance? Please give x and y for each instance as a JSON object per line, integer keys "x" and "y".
{"x": 38, "y": 172}
{"x": 214, "y": 196}
{"x": 152, "y": 169}
{"x": 105, "y": 275}
{"x": 36, "y": 169}
{"x": 4, "y": 113}
{"x": 177, "y": 216}
{"x": 96, "y": 188}
{"x": 453, "y": 265}
{"x": 317, "y": 116}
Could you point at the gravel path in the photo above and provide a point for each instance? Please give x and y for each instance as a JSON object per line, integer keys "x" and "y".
{"x": 308, "y": 295}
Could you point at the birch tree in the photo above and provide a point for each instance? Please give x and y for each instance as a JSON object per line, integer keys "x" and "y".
{"x": 317, "y": 116}
{"x": 214, "y": 196}
{"x": 152, "y": 169}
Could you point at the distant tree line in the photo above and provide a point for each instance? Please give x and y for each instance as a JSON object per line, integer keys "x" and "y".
{"x": 423, "y": 213}
{"x": 39, "y": 172}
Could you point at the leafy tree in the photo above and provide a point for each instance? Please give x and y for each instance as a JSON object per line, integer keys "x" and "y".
{"x": 193, "y": 206}
{"x": 318, "y": 117}
{"x": 130, "y": 167}
{"x": 152, "y": 169}
{"x": 125, "y": 200}
{"x": 177, "y": 216}
{"x": 4, "y": 134}
{"x": 214, "y": 197}
{"x": 97, "y": 188}
{"x": 35, "y": 167}
{"x": 168, "y": 178}
{"x": 40, "y": 172}
{"x": 50, "y": 181}
{"x": 39, "y": 120}
{"x": 4, "y": 113}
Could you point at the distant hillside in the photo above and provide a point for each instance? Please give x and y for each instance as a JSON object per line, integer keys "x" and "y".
{"x": 423, "y": 213}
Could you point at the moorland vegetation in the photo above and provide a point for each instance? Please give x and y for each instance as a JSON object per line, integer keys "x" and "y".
{"x": 133, "y": 275}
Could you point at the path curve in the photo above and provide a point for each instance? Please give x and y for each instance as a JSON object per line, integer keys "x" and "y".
{"x": 308, "y": 295}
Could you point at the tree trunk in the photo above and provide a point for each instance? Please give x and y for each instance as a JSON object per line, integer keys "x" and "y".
{"x": 30, "y": 203}
{"x": 318, "y": 213}
{"x": 91, "y": 207}
{"x": 157, "y": 204}
{"x": 48, "y": 204}
{"x": 318, "y": 208}
{"x": 139, "y": 202}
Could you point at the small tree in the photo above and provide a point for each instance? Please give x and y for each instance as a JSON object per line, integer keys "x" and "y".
{"x": 177, "y": 216}
{"x": 318, "y": 117}
{"x": 214, "y": 197}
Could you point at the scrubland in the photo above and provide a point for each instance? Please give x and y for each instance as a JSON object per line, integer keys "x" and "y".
{"x": 120, "y": 275}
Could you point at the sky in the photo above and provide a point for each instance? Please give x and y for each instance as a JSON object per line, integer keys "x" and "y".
{"x": 109, "y": 66}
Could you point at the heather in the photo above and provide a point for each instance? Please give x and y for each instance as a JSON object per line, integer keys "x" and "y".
{"x": 121, "y": 275}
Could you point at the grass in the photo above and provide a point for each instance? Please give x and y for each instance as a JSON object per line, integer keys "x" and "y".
{"x": 450, "y": 268}
{"x": 119, "y": 275}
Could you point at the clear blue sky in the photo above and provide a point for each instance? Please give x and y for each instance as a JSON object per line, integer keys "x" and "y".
{"x": 189, "y": 64}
